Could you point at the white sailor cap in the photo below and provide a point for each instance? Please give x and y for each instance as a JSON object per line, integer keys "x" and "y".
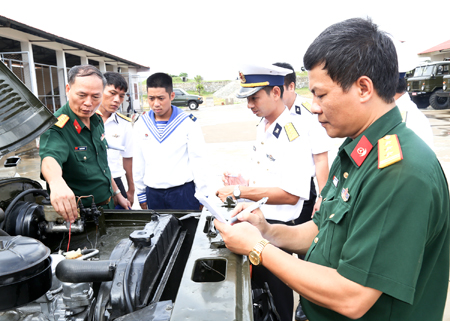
{"x": 255, "y": 77}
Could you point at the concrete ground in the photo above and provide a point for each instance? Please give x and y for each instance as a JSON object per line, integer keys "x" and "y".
{"x": 229, "y": 132}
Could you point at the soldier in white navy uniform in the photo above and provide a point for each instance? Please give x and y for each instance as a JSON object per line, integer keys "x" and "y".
{"x": 118, "y": 131}
{"x": 412, "y": 116}
{"x": 320, "y": 141}
{"x": 280, "y": 142}
{"x": 169, "y": 165}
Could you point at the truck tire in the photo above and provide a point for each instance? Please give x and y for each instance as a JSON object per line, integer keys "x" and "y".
{"x": 438, "y": 102}
{"x": 193, "y": 105}
{"x": 421, "y": 101}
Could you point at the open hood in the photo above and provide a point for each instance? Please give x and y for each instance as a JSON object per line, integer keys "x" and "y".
{"x": 23, "y": 117}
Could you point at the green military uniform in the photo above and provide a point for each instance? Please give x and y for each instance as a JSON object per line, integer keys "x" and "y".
{"x": 385, "y": 224}
{"x": 81, "y": 153}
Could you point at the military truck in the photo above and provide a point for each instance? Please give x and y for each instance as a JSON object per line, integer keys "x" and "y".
{"x": 425, "y": 86}
{"x": 131, "y": 264}
{"x": 446, "y": 86}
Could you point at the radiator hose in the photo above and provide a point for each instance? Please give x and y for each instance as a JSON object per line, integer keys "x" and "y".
{"x": 76, "y": 271}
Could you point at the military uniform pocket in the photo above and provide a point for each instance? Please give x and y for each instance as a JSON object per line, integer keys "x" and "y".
{"x": 334, "y": 232}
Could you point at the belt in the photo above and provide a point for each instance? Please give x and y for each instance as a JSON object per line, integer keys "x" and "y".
{"x": 104, "y": 202}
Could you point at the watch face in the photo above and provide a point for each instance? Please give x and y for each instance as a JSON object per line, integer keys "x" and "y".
{"x": 254, "y": 258}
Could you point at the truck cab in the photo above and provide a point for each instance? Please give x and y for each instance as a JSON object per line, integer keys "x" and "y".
{"x": 425, "y": 86}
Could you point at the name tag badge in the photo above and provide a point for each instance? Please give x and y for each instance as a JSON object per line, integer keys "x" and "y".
{"x": 81, "y": 148}
{"x": 335, "y": 181}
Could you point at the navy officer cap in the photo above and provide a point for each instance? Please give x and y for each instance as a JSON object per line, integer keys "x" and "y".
{"x": 254, "y": 78}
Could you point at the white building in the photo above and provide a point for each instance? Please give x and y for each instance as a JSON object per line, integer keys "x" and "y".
{"x": 41, "y": 60}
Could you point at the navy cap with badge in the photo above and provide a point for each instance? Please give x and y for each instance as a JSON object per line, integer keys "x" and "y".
{"x": 254, "y": 78}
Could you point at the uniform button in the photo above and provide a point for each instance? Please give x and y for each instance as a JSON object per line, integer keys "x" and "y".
{"x": 262, "y": 143}
{"x": 316, "y": 240}
{"x": 332, "y": 215}
{"x": 257, "y": 162}
{"x": 103, "y": 171}
{"x": 84, "y": 157}
{"x": 254, "y": 182}
{"x": 345, "y": 175}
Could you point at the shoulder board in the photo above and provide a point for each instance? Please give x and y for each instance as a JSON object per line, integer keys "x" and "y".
{"x": 307, "y": 106}
{"x": 124, "y": 117}
{"x": 389, "y": 151}
{"x": 62, "y": 120}
{"x": 192, "y": 117}
{"x": 291, "y": 131}
{"x": 98, "y": 112}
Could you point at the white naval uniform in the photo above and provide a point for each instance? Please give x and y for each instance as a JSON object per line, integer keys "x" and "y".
{"x": 272, "y": 160}
{"x": 317, "y": 135}
{"x": 415, "y": 119}
{"x": 119, "y": 135}
{"x": 175, "y": 158}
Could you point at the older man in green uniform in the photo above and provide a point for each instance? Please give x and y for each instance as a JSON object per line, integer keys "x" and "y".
{"x": 73, "y": 151}
{"x": 378, "y": 248}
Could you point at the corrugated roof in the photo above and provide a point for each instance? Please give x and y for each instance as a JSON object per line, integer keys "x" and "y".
{"x": 443, "y": 46}
{"x": 7, "y": 22}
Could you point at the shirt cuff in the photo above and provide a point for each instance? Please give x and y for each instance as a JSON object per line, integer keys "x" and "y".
{"x": 142, "y": 198}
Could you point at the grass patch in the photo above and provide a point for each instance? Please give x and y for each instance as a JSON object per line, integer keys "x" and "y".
{"x": 304, "y": 92}
{"x": 302, "y": 73}
{"x": 203, "y": 94}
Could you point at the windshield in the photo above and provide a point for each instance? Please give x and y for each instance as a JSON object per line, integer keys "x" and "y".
{"x": 183, "y": 91}
{"x": 423, "y": 71}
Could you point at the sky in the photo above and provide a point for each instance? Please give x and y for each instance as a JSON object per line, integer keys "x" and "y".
{"x": 214, "y": 38}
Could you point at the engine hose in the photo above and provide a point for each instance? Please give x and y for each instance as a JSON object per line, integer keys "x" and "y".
{"x": 75, "y": 271}
{"x": 126, "y": 289}
{"x": 17, "y": 198}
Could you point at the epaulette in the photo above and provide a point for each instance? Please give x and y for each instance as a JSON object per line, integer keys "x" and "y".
{"x": 389, "y": 151}
{"x": 98, "y": 112}
{"x": 62, "y": 120}
{"x": 192, "y": 117}
{"x": 124, "y": 117}
{"x": 307, "y": 106}
{"x": 291, "y": 131}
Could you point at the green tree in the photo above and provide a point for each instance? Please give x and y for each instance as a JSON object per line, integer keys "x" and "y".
{"x": 199, "y": 79}
{"x": 183, "y": 74}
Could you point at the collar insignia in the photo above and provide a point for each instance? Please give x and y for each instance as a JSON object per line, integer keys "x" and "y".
{"x": 361, "y": 151}
{"x": 277, "y": 130}
{"x": 77, "y": 126}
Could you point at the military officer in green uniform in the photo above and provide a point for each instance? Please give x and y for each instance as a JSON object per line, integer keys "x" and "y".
{"x": 73, "y": 151}
{"x": 378, "y": 248}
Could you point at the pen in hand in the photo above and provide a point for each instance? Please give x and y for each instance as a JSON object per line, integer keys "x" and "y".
{"x": 251, "y": 208}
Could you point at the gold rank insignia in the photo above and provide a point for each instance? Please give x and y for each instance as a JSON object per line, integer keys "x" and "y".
{"x": 62, "y": 120}
{"x": 389, "y": 151}
{"x": 291, "y": 131}
{"x": 98, "y": 112}
{"x": 307, "y": 105}
{"x": 404, "y": 115}
{"x": 124, "y": 117}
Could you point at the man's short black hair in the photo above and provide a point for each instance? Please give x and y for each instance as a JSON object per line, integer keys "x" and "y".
{"x": 160, "y": 80}
{"x": 268, "y": 89}
{"x": 292, "y": 77}
{"x": 401, "y": 86}
{"x": 115, "y": 79}
{"x": 354, "y": 48}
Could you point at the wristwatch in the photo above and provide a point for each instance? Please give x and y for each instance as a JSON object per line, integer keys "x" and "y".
{"x": 255, "y": 254}
{"x": 237, "y": 192}
{"x": 116, "y": 192}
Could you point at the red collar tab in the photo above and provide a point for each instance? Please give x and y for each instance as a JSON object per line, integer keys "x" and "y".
{"x": 361, "y": 151}
{"x": 77, "y": 126}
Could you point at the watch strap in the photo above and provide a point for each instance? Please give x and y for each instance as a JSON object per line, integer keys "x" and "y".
{"x": 259, "y": 247}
